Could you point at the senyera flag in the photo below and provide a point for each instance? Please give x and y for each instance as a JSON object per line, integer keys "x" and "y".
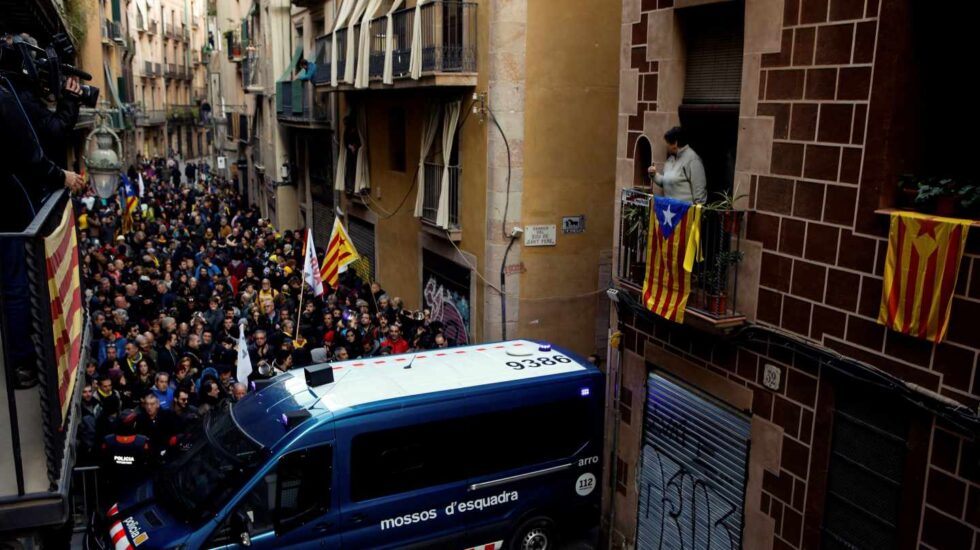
{"x": 340, "y": 253}
{"x": 65, "y": 293}
{"x": 311, "y": 267}
{"x": 672, "y": 247}
{"x": 923, "y": 261}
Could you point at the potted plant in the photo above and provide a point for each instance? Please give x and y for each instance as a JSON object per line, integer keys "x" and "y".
{"x": 908, "y": 190}
{"x": 727, "y": 213}
{"x": 969, "y": 194}
{"x": 636, "y": 220}
{"x": 941, "y": 193}
{"x": 715, "y": 281}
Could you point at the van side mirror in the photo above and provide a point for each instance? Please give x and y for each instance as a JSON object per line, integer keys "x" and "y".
{"x": 241, "y": 525}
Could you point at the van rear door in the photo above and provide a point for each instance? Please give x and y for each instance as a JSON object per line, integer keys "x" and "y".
{"x": 401, "y": 479}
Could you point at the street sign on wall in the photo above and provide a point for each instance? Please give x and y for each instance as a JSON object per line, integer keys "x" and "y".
{"x": 540, "y": 235}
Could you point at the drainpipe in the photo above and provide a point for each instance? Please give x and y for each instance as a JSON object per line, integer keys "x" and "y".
{"x": 503, "y": 288}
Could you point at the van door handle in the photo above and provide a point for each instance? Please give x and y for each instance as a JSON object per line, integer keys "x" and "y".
{"x": 357, "y": 518}
{"x": 323, "y": 526}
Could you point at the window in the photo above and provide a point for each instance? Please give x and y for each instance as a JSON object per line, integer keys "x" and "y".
{"x": 867, "y": 465}
{"x": 295, "y": 492}
{"x": 396, "y": 139}
{"x": 642, "y": 158}
{"x": 424, "y": 455}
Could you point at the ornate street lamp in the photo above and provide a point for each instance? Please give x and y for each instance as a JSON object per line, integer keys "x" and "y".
{"x": 103, "y": 163}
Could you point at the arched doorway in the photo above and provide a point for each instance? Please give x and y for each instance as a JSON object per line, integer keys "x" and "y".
{"x": 642, "y": 157}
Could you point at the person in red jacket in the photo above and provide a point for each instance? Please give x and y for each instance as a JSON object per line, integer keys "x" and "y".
{"x": 395, "y": 340}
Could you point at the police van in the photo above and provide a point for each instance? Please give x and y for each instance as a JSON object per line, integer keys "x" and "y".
{"x": 486, "y": 446}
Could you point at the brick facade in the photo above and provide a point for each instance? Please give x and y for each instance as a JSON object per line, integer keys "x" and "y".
{"x": 820, "y": 271}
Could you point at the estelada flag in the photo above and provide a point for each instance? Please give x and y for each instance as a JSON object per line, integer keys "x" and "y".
{"x": 340, "y": 253}
{"x": 65, "y": 295}
{"x": 920, "y": 273}
{"x": 672, "y": 247}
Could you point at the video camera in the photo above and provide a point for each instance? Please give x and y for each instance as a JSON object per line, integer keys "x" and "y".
{"x": 44, "y": 66}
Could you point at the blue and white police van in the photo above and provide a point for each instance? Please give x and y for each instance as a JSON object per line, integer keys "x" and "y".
{"x": 486, "y": 446}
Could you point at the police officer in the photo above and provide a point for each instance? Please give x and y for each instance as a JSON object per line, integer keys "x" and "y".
{"x": 125, "y": 454}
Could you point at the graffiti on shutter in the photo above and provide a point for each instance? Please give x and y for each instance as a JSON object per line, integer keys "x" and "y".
{"x": 692, "y": 471}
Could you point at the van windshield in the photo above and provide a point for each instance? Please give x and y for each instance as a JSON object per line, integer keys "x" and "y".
{"x": 199, "y": 482}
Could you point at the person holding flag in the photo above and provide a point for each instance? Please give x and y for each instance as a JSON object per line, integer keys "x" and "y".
{"x": 129, "y": 202}
{"x": 243, "y": 365}
{"x": 311, "y": 276}
{"x": 340, "y": 253}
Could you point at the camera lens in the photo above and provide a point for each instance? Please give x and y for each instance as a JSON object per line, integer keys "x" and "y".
{"x": 89, "y": 95}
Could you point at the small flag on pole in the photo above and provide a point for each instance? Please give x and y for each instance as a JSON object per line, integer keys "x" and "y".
{"x": 311, "y": 267}
{"x": 140, "y": 182}
{"x": 340, "y": 253}
{"x": 244, "y": 363}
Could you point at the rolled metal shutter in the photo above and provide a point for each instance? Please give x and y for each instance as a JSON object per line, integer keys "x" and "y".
{"x": 322, "y": 223}
{"x": 362, "y": 233}
{"x": 692, "y": 470}
{"x": 714, "y": 55}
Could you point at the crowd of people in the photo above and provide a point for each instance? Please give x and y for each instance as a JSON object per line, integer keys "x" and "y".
{"x": 168, "y": 287}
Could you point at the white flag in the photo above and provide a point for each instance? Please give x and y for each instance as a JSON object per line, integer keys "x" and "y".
{"x": 139, "y": 180}
{"x": 311, "y": 267}
{"x": 244, "y": 366}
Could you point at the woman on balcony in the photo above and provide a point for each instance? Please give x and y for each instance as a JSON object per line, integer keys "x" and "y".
{"x": 683, "y": 176}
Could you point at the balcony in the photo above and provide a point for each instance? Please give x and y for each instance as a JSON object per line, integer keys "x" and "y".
{"x": 448, "y": 50}
{"x": 140, "y": 23}
{"x": 152, "y": 117}
{"x": 183, "y": 114}
{"x": 252, "y": 72}
{"x": 37, "y": 424}
{"x": 185, "y": 34}
{"x": 147, "y": 70}
{"x": 431, "y": 190}
{"x": 152, "y": 27}
{"x": 157, "y": 69}
{"x": 713, "y": 300}
{"x": 297, "y": 104}
{"x": 183, "y": 72}
{"x": 116, "y": 29}
{"x": 171, "y": 71}
{"x": 234, "y": 47}
{"x": 107, "y": 31}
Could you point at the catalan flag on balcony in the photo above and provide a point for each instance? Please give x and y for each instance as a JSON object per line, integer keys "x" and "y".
{"x": 923, "y": 261}
{"x": 672, "y": 247}
{"x": 65, "y": 295}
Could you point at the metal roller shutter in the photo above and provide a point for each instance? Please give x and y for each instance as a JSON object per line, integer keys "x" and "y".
{"x": 322, "y": 223}
{"x": 692, "y": 470}
{"x": 362, "y": 233}
{"x": 714, "y": 54}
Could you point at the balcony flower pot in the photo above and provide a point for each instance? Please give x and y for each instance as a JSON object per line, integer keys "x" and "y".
{"x": 730, "y": 221}
{"x": 727, "y": 213}
{"x": 717, "y": 303}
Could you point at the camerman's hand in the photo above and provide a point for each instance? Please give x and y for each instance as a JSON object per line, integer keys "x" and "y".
{"x": 73, "y": 86}
{"x": 74, "y": 182}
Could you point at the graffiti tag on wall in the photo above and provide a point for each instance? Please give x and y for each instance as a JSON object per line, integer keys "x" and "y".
{"x": 450, "y": 308}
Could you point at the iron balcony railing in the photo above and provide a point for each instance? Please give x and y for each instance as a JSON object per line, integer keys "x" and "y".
{"x": 714, "y": 279}
{"x": 152, "y": 117}
{"x": 147, "y": 69}
{"x": 106, "y": 31}
{"x": 152, "y": 28}
{"x": 171, "y": 70}
{"x": 296, "y": 101}
{"x": 41, "y": 421}
{"x": 433, "y": 188}
{"x": 448, "y": 42}
{"x": 185, "y": 34}
{"x": 157, "y": 69}
{"x": 116, "y": 29}
{"x": 182, "y": 72}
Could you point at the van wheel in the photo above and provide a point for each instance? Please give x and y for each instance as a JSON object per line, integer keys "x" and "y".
{"x": 537, "y": 533}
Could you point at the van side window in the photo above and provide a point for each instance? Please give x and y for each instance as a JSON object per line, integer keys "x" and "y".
{"x": 303, "y": 492}
{"x": 392, "y": 461}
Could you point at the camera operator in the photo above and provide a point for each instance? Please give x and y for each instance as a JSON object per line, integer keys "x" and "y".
{"x": 52, "y": 126}
{"x": 26, "y": 176}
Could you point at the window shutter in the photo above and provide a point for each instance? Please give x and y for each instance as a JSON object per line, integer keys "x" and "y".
{"x": 362, "y": 235}
{"x": 714, "y": 56}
